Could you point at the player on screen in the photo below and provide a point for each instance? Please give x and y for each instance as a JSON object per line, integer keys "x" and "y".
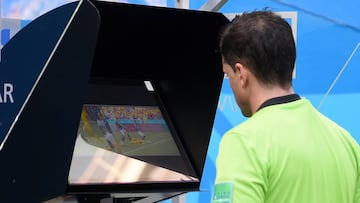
{"x": 110, "y": 139}
{"x": 137, "y": 127}
{"x": 123, "y": 132}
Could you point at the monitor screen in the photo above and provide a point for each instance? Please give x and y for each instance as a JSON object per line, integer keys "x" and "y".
{"x": 126, "y": 136}
{"x": 127, "y": 129}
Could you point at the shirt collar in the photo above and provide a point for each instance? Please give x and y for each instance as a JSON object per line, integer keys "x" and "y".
{"x": 280, "y": 100}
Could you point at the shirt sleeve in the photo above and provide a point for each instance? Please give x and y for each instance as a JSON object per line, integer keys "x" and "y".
{"x": 356, "y": 151}
{"x": 238, "y": 165}
{"x": 357, "y": 189}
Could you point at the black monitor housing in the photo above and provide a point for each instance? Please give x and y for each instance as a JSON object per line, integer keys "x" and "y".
{"x": 114, "y": 58}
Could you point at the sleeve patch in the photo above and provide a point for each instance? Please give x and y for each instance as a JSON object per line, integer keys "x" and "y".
{"x": 223, "y": 192}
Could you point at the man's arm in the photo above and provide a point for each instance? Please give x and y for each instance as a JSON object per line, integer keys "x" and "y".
{"x": 240, "y": 175}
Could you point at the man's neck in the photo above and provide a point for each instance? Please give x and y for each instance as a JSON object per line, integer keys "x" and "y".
{"x": 261, "y": 94}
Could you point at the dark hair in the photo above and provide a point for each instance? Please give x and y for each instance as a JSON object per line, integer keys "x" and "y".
{"x": 263, "y": 41}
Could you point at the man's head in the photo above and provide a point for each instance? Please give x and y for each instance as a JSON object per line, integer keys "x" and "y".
{"x": 262, "y": 44}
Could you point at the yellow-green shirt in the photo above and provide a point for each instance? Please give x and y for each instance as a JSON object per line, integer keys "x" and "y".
{"x": 288, "y": 153}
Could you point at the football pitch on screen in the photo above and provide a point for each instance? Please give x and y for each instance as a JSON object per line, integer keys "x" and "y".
{"x": 153, "y": 143}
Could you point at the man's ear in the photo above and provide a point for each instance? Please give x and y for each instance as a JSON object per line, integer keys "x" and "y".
{"x": 242, "y": 73}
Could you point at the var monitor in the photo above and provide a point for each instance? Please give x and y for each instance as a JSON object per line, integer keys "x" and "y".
{"x": 126, "y": 136}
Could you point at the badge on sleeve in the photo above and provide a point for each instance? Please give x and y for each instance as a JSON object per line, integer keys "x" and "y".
{"x": 223, "y": 192}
